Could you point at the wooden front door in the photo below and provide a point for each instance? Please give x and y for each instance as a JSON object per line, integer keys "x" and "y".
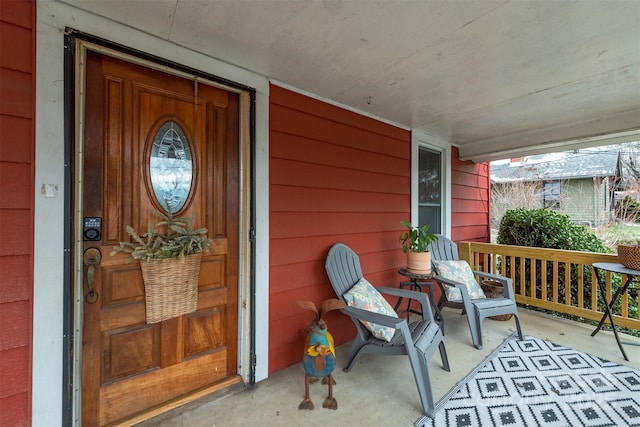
{"x": 129, "y": 366}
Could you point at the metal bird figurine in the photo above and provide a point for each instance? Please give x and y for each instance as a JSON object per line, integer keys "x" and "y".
{"x": 319, "y": 353}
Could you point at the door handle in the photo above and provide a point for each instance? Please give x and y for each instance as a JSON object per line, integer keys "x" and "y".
{"x": 91, "y": 258}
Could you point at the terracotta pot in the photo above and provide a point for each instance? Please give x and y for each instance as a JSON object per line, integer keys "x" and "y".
{"x": 419, "y": 262}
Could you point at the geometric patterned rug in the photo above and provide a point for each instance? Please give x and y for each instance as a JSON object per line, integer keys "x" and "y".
{"x": 534, "y": 382}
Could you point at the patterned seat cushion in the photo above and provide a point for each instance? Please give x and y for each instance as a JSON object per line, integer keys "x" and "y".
{"x": 364, "y": 296}
{"x": 458, "y": 271}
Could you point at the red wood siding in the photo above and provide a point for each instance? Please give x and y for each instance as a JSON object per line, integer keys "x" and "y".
{"x": 335, "y": 176}
{"x": 469, "y": 200}
{"x": 17, "y": 111}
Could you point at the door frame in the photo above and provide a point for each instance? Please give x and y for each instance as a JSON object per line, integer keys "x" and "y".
{"x": 76, "y": 46}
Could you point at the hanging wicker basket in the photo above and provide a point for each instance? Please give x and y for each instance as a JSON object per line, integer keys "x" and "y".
{"x": 170, "y": 286}
{"x": 629, "y": 256}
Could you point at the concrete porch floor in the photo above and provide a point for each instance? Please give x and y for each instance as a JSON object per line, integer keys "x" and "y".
{"x": 380, "y": 390}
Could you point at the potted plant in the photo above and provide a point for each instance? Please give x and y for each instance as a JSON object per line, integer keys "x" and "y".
{"x": 415, "y": 242}
{"x": 169, "y": 253}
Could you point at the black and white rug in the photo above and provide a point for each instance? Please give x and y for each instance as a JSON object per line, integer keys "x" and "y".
{"x": 534, "y": 382}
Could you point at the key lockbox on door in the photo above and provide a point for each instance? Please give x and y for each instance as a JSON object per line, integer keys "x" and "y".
{"x": 92, "y": 229}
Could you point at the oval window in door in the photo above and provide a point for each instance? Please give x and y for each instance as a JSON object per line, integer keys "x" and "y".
{"x": 171, "y": 167}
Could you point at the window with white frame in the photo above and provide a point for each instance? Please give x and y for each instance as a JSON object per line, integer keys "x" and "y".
{"x": 430, "y": 189}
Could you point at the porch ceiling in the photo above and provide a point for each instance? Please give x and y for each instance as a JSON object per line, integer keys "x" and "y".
{"x": 496, "y": 78}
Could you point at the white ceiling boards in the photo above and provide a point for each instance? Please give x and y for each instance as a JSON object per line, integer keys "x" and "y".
{"x": 493, "y": 77}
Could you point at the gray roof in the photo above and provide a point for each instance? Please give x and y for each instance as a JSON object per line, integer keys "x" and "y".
{"x": 568, "y": 165}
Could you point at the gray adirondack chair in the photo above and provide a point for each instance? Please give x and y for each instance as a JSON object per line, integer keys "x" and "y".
{"x": 443, "y": 249}
{"x": 418, "y": 339}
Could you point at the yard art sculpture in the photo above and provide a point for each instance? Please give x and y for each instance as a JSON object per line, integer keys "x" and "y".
{"x": 319, "y": 353}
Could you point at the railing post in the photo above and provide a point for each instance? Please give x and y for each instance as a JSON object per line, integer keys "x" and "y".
{"x": 464, "y": 251}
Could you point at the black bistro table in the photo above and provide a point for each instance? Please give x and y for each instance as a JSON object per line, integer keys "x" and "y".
{"x": 416, "y": 283}
{"x": 631, "y": 276}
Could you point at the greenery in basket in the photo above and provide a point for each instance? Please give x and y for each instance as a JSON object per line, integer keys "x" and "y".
{"x": 169, "y": 238}
{"x": 416, "y": 238}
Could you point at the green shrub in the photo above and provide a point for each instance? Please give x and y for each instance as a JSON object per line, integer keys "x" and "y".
{"x": 544, "y": 228}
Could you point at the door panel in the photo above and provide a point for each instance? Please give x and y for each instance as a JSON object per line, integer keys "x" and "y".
{"x": 129, "y": 366}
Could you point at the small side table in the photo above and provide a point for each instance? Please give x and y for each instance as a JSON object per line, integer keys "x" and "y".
{"x": 608, "y": 305}
{"x": 416, "y": 284}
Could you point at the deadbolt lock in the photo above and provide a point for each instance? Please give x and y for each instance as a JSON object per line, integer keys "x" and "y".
{"x": 92, "y": 256}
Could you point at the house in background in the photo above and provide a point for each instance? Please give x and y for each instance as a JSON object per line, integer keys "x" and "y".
{"x": 581, "y": 183}
{"x": 308, "y": 123}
